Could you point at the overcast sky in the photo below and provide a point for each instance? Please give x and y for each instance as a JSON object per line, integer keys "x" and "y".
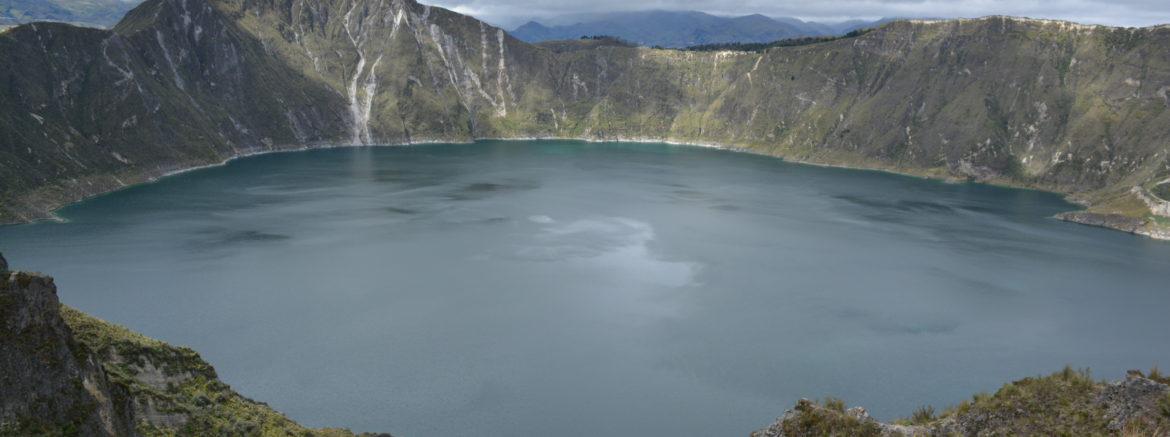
{"x": 511, "y": 13}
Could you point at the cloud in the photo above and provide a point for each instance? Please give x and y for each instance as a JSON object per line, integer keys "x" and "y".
{"x": 510, "y": 13}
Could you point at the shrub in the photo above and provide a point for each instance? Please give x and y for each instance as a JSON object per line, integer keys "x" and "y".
{"x": 763, "y": 46}
{"x": 1157, "y": 375}
{"x": 1162, "y": 191}
{"x": 835, "y": 404}
{"x": 922, "y": 414}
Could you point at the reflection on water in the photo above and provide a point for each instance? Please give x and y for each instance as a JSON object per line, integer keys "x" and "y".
{"x": 540, "y": 288}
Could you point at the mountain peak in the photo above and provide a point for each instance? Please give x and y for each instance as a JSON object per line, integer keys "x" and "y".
{"x": 532, "y": 24}
{"x": 672, "y": 28}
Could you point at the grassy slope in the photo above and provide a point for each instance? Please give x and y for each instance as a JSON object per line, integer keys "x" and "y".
{"x": 1065, "y": 403}
{"x": 189, "y": 399}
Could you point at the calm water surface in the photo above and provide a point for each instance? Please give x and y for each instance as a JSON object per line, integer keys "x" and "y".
{"x": 553, "y": 287}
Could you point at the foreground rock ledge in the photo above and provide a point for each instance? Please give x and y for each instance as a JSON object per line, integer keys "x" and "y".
{"x": 1065, "y": 403}
{"x": 63, "y": 372}
{"x": 1147, "y": 226}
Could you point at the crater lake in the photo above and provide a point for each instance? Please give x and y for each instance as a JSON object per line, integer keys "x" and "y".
{"x": 527, "y": 288}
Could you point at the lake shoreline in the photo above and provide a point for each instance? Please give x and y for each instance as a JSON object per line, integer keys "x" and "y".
{"x": 47, "y": 206}
{"x": 675, "y": 248}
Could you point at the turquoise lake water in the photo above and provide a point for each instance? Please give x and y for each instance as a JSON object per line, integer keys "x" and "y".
{"x": 526, "y": 288}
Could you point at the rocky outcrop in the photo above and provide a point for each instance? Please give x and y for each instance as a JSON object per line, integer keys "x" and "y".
{"x": 808, "y": 418}
{"x": 172, "y": 391}
{"x": 184, "y": 83}
{"x": 49, "y": 383}
{"x": 65, "y": 373}
{"x": 1147, "y": 226}
{"x": 1156, "y": 205}
{"x": 1115, "y": 221}
{"x": 1135, "y": 399}
{"x": 1064, "y": 403}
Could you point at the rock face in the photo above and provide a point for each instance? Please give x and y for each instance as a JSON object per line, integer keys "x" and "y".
{"x": 1136, "y": 398}
{"x": 65, "y": 373}
{"x": 49, "y": 383}
{"x": 1064, "y": 403}
{"x": 808, "y": 418}
{"x": 1116, "y": 221}
{"x": 182, "y": 83}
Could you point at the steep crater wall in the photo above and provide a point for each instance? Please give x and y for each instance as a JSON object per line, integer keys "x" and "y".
{"x": 183, "y": 83}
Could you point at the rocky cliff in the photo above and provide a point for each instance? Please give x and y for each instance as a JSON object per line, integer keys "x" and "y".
{"x": 181, "y": 83}
{"x": 65, "y": 373}
{"x": 1064, "y": 403}
{"x": 50, "y": 383}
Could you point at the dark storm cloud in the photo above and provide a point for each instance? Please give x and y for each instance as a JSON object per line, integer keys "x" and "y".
{"x": 509, "y": 13}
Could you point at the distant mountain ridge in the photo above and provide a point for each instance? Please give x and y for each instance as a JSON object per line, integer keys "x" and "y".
{"x": 683, "y": 28}
{"x": 94, "y": 13}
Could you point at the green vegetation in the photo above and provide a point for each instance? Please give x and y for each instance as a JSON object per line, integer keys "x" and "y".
{"x": 176, "y": 387}
{"x": 1066, "y": 403}
{"x": 65, "y": 373}
{"x": 46, "y": 383}
{"x": 609, "y": 38}
{"x": 921, "y": 415}
{"x": 1156, "y": 375}
{"x": 1162, "y": 191}
{"x": 835, "y": 404}
{"x": 827, "y": 419}
{"x": 84, "y": 111}
{"x": 1059, "y": 404}
{"x": 764, "y": 46}
{"x": 584, "y": 43}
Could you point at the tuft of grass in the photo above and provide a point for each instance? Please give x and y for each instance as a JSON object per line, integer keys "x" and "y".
{"x": 817, "y": 420}
{"x": 1157, "y": 376}
{"x": 1165, "y": 406}
{"x": 1057, "y": 404}
{"x": 835, "y": 404}
{"x": 1139, "y": 428}
{"x": 1162, "y": 191}
{"x": 922, "y": 415}
{"x": 959, "y": 408}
